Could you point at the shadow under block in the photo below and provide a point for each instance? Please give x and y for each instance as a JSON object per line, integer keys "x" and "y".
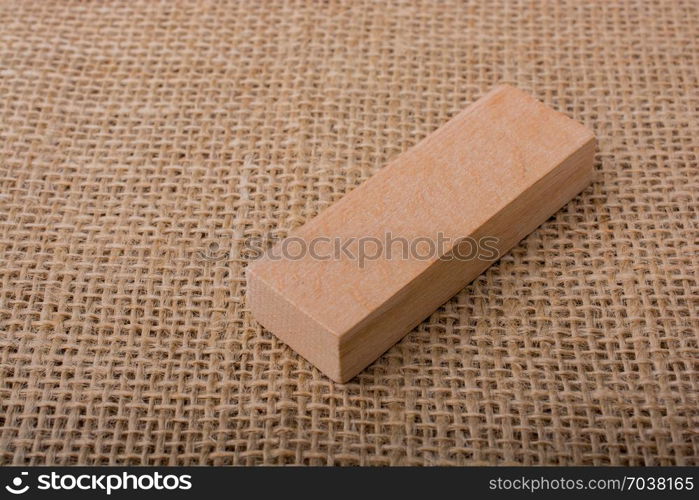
{"x": 498, "y": 169}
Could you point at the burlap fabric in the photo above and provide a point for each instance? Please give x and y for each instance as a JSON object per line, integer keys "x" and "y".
{"x": 142, "y": 143}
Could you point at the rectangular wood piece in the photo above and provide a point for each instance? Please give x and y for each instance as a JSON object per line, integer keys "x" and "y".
{"x": 342, "y": 289}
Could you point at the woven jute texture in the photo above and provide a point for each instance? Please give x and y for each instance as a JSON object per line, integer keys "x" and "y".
{"x": 142, "y": 144}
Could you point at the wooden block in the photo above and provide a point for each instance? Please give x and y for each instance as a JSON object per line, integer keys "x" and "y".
{"x": 497, "y": 170}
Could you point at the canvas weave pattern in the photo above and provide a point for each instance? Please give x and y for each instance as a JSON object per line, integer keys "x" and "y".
{"x": 141, "y": 143}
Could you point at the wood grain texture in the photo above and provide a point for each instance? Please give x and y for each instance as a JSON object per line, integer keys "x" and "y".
{"x": 498, "y": 169}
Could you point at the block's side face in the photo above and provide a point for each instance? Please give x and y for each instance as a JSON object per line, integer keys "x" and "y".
{"x": 291, "y": 325}
{"x": 447, "y": 276}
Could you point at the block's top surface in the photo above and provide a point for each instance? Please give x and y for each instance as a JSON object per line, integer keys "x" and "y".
{"x": 451, "y": 182}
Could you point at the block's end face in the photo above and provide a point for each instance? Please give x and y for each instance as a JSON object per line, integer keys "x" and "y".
{"x": 291, "y": 325}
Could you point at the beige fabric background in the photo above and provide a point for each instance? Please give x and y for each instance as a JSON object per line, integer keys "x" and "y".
{"x": 142, "y": 142}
